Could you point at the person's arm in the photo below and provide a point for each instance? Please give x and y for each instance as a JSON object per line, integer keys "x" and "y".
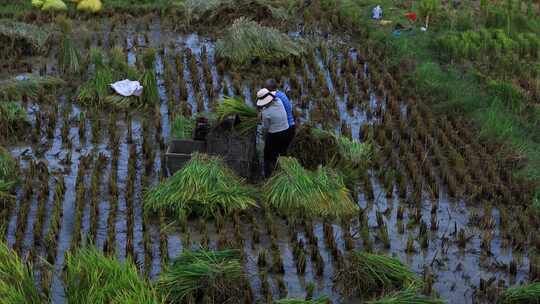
{"x": 265, "y": 121}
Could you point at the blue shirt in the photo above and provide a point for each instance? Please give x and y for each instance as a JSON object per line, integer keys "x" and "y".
{"x": 288, "y": 107}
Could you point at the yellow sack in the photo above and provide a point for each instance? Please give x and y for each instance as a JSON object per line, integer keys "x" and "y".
{"x": 91, "y": 6}
{"x": 54, "y": 5}
{"x": 37, "y": 3}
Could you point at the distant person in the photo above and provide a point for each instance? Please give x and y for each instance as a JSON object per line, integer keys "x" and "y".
{"x": 271, "y": 85}
{"x": 377, "y": 12}
{"x": 275, "y": 126}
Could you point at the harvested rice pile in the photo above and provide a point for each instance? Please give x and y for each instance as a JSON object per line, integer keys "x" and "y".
{"x": 200, "y": 276}
{"x": 205, "y": 186}
{"x": 247, "y": 41}
{"x": 294, "y": 190}
{"x": 25, "y": 37}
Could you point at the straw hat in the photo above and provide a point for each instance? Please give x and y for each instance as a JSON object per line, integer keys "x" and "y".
{"x": 264, "y": 97}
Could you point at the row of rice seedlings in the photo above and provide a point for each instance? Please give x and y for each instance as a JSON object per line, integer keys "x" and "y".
{"x": 55, "y": 222}
{"x": 24, "y": 208}
{"x": 129, "y": 197}
{"x": 95, "y": 185}
{"x": 80, "y": 198}
{"x": 42, "y": 199}
{"x": 13, "y": 120}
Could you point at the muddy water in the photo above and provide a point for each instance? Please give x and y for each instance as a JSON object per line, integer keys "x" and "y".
{"x": 456, "y": 271}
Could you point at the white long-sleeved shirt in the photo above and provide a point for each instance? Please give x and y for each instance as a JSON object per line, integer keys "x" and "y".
{"x": 274, "y": 117}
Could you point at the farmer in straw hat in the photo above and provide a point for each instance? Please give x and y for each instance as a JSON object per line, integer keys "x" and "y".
{"x": 276, "y": 126}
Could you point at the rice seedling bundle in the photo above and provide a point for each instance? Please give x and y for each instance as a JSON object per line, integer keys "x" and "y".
{"x": 296, "y": 190}
{"x": 119, "y": 65}
{"x": 150, "y": 95}
{"x": 17, "y": 283}
{"x": 365, "y": 273}
{"x": 95, "y": 89}
{"x": 246, "y": 41}
{"x": 182, "y": 127}
{"x": 521, "y": 294}
{"x": 13, "y": 119}
{"x": 29, "y": 85}
{"x": 91, "y": 277}
{"x": 407, "y": 296}
{"x": 122, "y": 102}
{"x": 197, "y": 275}
{"x": 210, "y": 10}
{"x": 247, "y": 116}
{"x": 26, "y": 35}
{"x": 321, "y": 300}
{"x": 204, "y": 186}
{"x": 69, "y": 57}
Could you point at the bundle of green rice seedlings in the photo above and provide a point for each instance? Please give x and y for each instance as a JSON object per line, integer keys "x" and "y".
{"x": 294, "y": 190}
{"x": 122, "y": 102}
{"x": 8, "y": 170}
{"x": 119, "y": 65}
{"x": 209, "y": 11}
{"x": 246, "y": 41}
{"x": 196, "y": 276}
{"x": 95, "y": 89}
{"x": 205, "y": 186}
{"x": 17, "y": 282}
{"x": 29, "y": 86}
{"x": 13, "y": 119}
{"x": 354, "y": 152}
{"x": 407, "y": 296}
{"x": 321, "y": 300}
{"x": 247, "y": 116}
{"x": 91, "y": 277}
{"x": 521, "y": 294}
{"x": 182, "y": 127}
{"x": 68, "y": 57}
{"x": 24, "y": 36}
{"x": 364, "y": 273}
{"x": 150, "y": 95}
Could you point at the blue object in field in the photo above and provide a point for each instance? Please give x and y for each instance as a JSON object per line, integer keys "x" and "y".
{"x": 396, "y": 33}
{"x": 288, "y": 107}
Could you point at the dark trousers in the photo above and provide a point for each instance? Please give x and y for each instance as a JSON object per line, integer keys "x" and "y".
{"x": 276, "y": 145}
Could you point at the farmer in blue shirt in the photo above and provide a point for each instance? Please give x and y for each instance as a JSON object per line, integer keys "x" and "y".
{"x": 271, "y": 85}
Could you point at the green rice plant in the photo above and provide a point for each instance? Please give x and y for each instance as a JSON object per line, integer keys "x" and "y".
{"x": 407, "y": 296}
{"x": 17, "y": 282}
{"x": 197, "y": 275}
{"x": 521, "y": 294}
{"x": 26, "y": 37}
{"x": 94, "y": 91}
{"x": 321, "y": 300}
{"x": 295, "y": 190}
{"x": 13, "y": 119}
{"x": 204, "y": 186}
{"x": 68, "y": 57}
{"x": 122, "y": 102}
{"x": 182, "y": 127}
{"x": 365, "y": 273}
{"x": 91, "y": 277}
{"x": 150, "y": 95}
{"x": 28, "y": 85}
{"x": 247, "y": 115}
{"x": 119, "y": 65}
{"x": 209, "y": 11}
{"x": 246, "y": 41}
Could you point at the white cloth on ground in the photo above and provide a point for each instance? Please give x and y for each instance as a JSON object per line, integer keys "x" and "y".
{"x": 127, "y": 87}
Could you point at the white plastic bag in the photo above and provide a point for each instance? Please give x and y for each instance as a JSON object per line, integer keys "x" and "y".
{"x": 127, "y": 87}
